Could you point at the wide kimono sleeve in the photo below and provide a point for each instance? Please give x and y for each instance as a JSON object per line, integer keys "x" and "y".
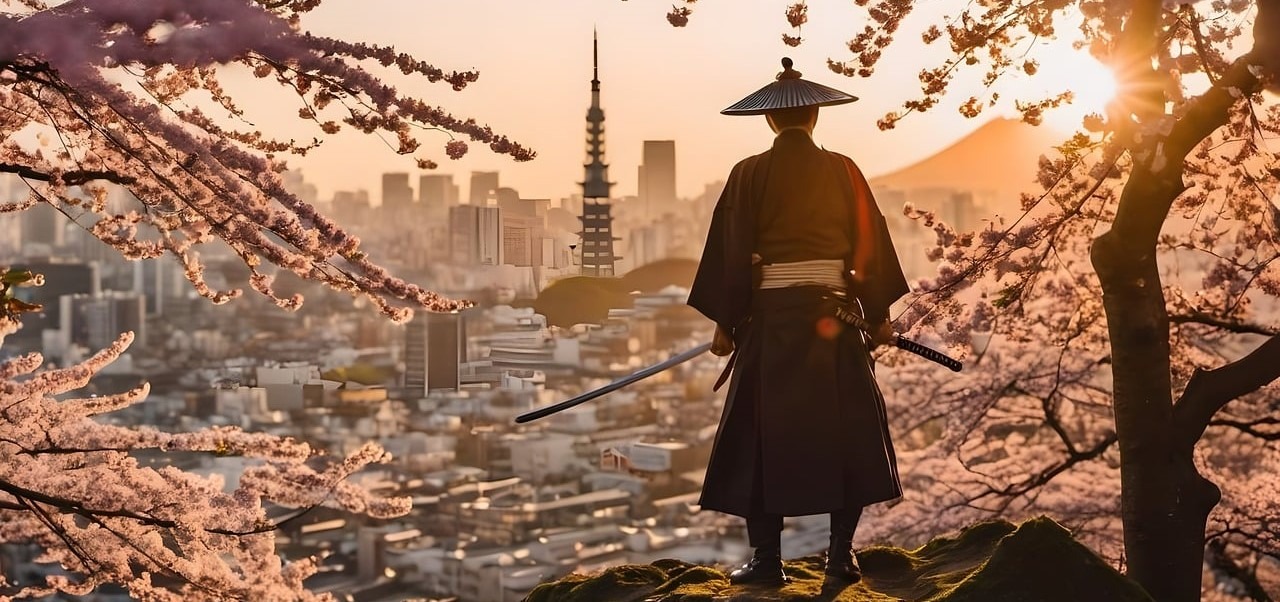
{"x": 723, "y": 284}
{"x": 878, "y": 280}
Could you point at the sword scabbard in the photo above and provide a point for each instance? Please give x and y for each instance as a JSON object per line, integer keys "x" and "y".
{"x": 929, "y": 354}
{"x": 847, "y": 316}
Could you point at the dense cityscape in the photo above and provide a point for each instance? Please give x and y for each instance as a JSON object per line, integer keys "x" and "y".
{"x": 570, "y": 294}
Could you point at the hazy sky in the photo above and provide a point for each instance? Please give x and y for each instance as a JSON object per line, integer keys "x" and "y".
{"x": 658, "y": 82}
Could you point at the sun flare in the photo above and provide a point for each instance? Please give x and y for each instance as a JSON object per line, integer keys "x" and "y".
{"x": 1091, "y": 84}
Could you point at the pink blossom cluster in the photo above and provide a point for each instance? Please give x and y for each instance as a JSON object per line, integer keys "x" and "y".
{"x": 196, "y": 179}
{"x": 72, "y": 485}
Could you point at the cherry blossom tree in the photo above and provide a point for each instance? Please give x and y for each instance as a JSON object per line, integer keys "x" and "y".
{"x": 108, "y": 79}
{"x": 1126, "y": 319}
{"x": 69, "y": 484}
{"x": 107, "y": 83}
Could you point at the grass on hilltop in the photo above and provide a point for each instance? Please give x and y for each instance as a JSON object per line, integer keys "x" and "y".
{"x": 1037, "y": 561}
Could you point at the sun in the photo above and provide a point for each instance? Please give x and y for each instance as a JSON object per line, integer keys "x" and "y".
{"x": 1092, "y": 85}
{"x": 1063, "y": 68}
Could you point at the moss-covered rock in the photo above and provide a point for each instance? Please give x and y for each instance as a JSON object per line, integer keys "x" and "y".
{"x": 1037, "y": 561}
{"x": 625, "y": 582}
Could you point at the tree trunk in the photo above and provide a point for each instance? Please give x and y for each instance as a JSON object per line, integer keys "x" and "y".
{"x": 1164, "y": 502}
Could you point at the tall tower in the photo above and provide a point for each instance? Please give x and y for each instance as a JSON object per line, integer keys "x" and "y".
{"x": 597, "y": 223}
{"x": 658, "y": 175}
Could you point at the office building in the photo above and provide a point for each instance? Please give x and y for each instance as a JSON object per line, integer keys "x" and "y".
{"x": 522, "y": 240}
{"x": 351, "y": 208}
{"x": 483, "y": 185}
{"x": 42, "y": 229}
{"x": 60, "y": 278}
{"x": 657, "y": 174}
{"x": 396, "y": 193}
{"x": 475, "y": 235}
{"x": 297, "y": 186}
{"x": 434, "y": 350}
{"x": 437, "y": 192}
{"x": 95, "y": 321}
{"x": 158, "y": 281}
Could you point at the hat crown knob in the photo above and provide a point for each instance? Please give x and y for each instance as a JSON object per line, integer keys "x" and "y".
{"x": 787, "y": 71}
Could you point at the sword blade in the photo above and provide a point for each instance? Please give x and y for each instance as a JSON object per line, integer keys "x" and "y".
{"x": 613, "y": 386}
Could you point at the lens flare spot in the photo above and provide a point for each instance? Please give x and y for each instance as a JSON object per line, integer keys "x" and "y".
{"x": 829, "y": 328}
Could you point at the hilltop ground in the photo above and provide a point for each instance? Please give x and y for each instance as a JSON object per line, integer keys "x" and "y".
{"x": 1037, "y": 561}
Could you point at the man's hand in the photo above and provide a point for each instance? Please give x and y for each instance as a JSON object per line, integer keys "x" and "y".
{"x": 722, "y": 344}
{"x": 882, "y": 335}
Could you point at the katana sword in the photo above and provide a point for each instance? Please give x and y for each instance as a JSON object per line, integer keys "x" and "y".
{"x": 843, "y": 314}
{"x": 613, "y": 386}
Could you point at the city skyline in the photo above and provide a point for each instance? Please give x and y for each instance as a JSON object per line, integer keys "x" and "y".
{"x": 658, "y": 83}
{"x": 220, "y": 384}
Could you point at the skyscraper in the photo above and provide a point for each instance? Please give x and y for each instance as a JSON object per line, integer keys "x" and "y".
{"x": 351, "y": 208}
{"x": 658, "y": 174}
{"x": 60, "y": 278}
{"x": 435, "y": 346}
{"x": 42, "y": 226}
{"x": 597, "y": 222}
{"x": 158, "y": 280}
{"x": 437, "y": 192}
{"x": 475, "y": 235}
{"x": 483, "y": 184}
{"x": 396, "y": 193}
{"x": 95, "y": 321}
{"x": 299, "y": 187}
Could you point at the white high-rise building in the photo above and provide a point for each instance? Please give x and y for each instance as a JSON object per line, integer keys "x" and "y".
{"x": 475, "y": 235}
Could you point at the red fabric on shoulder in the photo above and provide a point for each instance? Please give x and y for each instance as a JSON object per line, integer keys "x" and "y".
{"x": 864, "y": 243}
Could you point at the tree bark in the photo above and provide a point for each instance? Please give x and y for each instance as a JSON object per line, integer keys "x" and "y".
{"x": 1164, "y": 502}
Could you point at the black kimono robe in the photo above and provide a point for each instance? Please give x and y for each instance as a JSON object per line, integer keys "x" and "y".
{"x": 804, "y": 429}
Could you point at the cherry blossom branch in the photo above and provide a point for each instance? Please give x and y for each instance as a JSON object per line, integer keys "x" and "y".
{"x": 1209, "y": 391}
{"x": 67, "y": 479}
{"x": 1228, "y": 325}
{"x": 79, "y": 509}
{"x": 1251, "y": 427}
{"x": 193, "y": 180}
{"x": 1044, "y": 476}
{"x": 70, "y": 178}
{"x": 1217, "y": 557}
{"x": 1208, "y": 112}
{"x": 157, "y": 563}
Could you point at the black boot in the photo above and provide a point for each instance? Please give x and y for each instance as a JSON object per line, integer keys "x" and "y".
{"x": 842, "y": 564}
{"x": 765, "y": 568}
{"x": 764, "y": 533}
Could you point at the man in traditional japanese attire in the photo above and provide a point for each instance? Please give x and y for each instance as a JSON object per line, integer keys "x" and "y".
{"x": 795, "y": 235}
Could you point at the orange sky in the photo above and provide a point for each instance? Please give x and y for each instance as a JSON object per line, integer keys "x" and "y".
{"x": 659, "y": 82}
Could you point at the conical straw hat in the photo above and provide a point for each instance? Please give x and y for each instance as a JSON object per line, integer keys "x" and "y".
{"x": 789, "y": 91}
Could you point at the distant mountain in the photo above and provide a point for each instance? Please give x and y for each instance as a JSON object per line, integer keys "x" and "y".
{"x": 999, "y": 157}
